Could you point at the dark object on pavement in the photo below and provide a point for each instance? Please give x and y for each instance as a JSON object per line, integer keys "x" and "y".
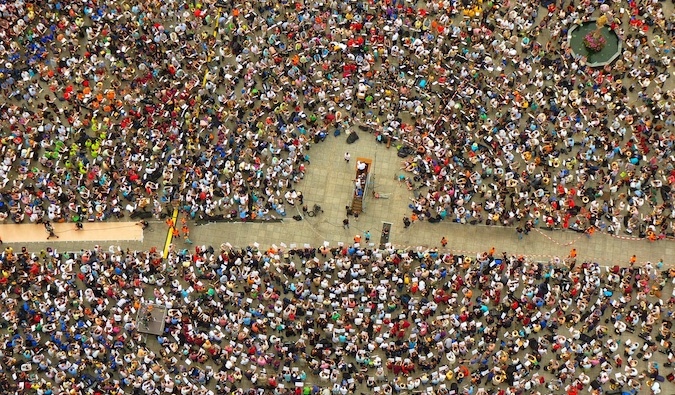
{"x": 405, "y": 151}
{"x": 140, "y": 215}
{"x": 352, "y": 137}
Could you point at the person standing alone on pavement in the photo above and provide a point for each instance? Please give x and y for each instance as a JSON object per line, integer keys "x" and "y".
{"x": 50, "y": 229}
{"x": 347, "y": 157}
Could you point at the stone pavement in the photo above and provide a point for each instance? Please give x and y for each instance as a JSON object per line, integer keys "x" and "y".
{"x": 329, "y": 181}
{"x": 67, "y": 232}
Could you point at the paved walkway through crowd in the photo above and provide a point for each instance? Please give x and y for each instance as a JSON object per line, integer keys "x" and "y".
{"x": 68, "y": 232}
{"x": 329, "y": 184}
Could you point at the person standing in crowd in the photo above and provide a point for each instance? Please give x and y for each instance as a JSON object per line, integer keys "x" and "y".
{"x": 345, "y": 223}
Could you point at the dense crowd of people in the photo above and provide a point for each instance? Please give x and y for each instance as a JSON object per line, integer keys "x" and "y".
{"x": 126, "y": 107}
{"x": 326, "y": 320}
{"x": 116, "y": 108}
{"x": 534, "y": 136}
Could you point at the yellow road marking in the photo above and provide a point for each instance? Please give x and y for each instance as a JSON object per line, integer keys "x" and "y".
{"x": 169, "y": 236}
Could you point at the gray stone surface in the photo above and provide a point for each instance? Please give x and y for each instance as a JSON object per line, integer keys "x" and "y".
{"x": 152, "y": 323}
